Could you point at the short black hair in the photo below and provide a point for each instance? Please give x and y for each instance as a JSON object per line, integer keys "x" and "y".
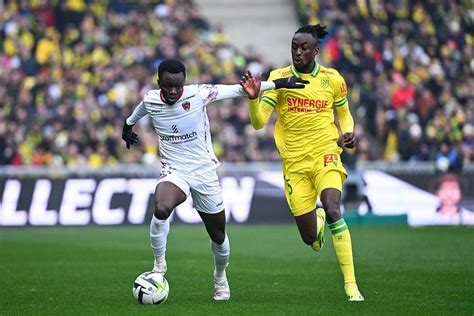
{"x": 317, "y": 31}
{"x": 173, "y": 66}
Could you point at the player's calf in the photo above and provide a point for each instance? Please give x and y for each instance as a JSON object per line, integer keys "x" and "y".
{"x": 221, "y": 259}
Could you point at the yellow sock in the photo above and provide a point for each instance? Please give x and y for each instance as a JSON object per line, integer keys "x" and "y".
{"x": 342, "y": 244}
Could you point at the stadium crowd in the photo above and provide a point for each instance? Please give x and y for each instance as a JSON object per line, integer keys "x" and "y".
{"x": 410, "y": 66}
{"x": 71, "y": 70}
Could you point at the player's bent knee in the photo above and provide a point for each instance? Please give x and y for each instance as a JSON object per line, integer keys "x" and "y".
{"x": 161, "y": 214}
{"x": 162, "y": 211}
{"x": 218, "y": 237}
{"x": 333, "y": 214}
{"x": 308, "y": 239}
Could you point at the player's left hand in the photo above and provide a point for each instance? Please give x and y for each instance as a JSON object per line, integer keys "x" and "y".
{"x": 128, "y": 136}
{"x": 290, "y": 83}
{"x": 251, "y": 84}
{"x": 349, "y": 140}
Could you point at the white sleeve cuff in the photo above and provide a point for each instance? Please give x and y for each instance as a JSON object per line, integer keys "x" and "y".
{"x": 267, "y": 85}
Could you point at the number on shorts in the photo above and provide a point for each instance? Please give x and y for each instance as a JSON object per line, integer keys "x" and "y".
{"x": 330, "y": 158}
{"x": 290, "y": 189}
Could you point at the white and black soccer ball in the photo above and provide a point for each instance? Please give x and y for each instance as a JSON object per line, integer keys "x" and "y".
{"x": 151, "y": 288}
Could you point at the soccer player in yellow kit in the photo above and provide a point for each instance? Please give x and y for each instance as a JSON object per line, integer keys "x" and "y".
{"x": 306, "y": 137}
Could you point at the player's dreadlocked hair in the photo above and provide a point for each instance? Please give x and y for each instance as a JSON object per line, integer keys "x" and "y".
{"x": 317, "y": 31}
{"x": 173, "y": 66}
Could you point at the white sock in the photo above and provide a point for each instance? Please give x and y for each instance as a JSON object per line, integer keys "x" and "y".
{"x": 159, "y": 230}
{"x": 220, "y": 275}
{"x": 221, "y": 257}
{"x": 160, "y": 260}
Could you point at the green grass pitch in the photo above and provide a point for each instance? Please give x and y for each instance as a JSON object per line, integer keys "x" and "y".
{"x": 63, "y": 271}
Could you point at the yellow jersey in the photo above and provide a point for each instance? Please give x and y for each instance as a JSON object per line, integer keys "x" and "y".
{"x": 306, "y": 116}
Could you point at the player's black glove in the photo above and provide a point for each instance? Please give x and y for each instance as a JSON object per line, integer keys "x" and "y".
{"x": 128, "y": 136}
{"x": 290, "y": 83}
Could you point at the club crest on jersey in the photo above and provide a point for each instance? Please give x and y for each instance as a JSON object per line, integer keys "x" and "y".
{"x": 324, "y": 82}
{"x": 186, "y": 105}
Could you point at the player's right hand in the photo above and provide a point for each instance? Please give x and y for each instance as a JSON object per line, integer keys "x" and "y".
{"x": 128, "y": 136}
{"x": 251, "y": 84}
{"x": 349, "y": 140}
{"x": 290, "y": 83}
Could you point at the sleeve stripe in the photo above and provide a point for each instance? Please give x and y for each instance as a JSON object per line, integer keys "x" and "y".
{"x": 341, "y": 102}
{"x": 267, "y": 101}
{"x": 338, "y": 105}
{"x": 273, "y": 102}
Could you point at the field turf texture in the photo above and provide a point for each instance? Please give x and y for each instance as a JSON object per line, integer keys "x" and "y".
{"x": 90, "y": 270}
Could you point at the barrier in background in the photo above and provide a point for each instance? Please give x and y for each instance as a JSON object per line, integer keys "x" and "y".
{"x": 253, "y": 193}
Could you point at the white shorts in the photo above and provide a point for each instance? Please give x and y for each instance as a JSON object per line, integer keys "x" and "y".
{"x": 205, "y": 190}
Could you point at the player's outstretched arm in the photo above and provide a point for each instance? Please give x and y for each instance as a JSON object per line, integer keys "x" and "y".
{"x": 259, "y": 115}
{"x": 260, "y": 112}
{"x": 128, "y": 135}
{"x": 251, "y": 85}
{"x": 290, "y": 83}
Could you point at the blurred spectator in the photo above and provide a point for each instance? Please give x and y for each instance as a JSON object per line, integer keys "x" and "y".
{"x": 448, "y": 158}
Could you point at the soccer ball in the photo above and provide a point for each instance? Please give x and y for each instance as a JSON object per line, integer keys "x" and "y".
{"x": 151, "y": 288}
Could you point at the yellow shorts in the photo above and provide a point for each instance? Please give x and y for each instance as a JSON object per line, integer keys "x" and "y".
{"x": 305, "y": 179}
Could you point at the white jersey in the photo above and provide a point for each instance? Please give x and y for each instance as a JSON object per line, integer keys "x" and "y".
{"x": 183, "y": 127}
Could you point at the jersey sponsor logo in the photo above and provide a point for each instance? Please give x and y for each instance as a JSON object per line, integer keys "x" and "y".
{"x": 186, "y": 105}
{"x": 176, "y": 139}
{"x": 191, "y": 96}
{"x": 325, "y": 82}
{"x": 286, "y": 73}
{"x": 330, "y": 158}
{"x": 154, "y": 108}
{"x": 306, "y": 105}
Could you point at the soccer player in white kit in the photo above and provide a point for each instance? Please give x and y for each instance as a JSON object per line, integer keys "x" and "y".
{"x": 188, "y": 162}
